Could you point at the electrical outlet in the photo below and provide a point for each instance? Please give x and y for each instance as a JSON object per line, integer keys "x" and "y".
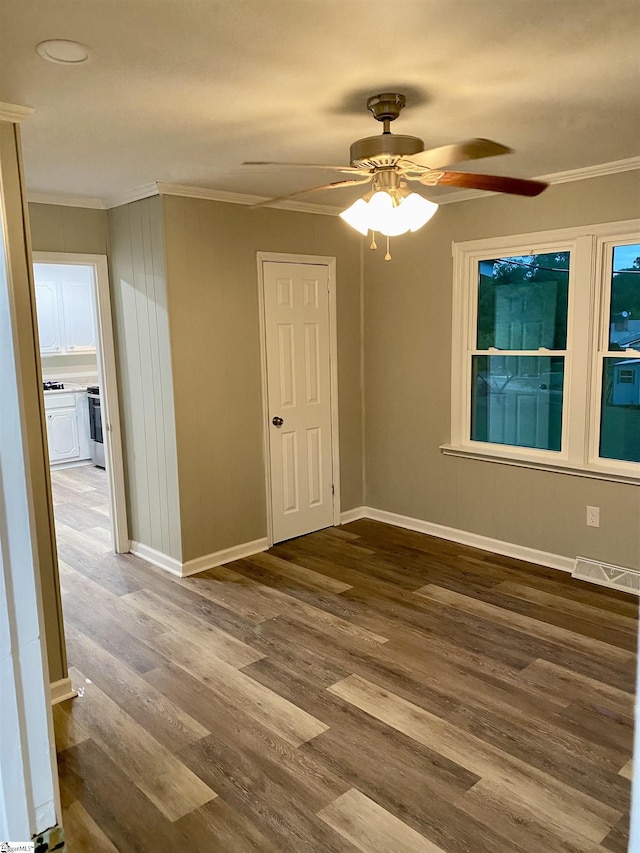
{"x": 593, "y": 516}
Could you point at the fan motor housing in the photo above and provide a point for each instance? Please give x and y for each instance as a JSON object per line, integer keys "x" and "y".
{"x": 385, "y": 149}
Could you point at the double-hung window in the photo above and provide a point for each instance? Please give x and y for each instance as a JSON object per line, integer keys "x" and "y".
{"x": 546, "y": 350}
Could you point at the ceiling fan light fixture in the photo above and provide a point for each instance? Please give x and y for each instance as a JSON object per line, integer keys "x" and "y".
{"x": 392, "y": 161}
{"x": 389, "y": 214}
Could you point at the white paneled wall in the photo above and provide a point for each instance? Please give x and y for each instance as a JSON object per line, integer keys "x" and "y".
{"x": 138, "y": 285}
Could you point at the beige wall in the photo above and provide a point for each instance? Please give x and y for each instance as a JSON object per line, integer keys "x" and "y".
{"x": 138, "y": 288}
{"x": 58, "y": 229}
{"x": 213, "y": 310}
{"x": 55, "y": 228}
{"x": 407, "y": 388}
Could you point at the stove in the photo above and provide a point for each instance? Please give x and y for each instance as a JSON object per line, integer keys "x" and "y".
{"x": 95, "y": 425}
{"x": 52, "y": 386}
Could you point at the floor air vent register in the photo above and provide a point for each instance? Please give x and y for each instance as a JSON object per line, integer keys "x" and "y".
{"x": 603, "y": 574}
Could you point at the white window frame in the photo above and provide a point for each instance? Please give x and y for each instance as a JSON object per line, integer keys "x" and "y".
{"x": 601, "y": 351}
{"x": 587, "y": 344}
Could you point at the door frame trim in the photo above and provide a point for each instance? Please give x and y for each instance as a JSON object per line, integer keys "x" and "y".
{"x": 107, "y": 375}
{"x": 311, "y": 260}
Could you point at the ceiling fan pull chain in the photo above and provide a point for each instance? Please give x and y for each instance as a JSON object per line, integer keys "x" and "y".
{"x": 373, "y": 240}
{"x": 387, "y": 257}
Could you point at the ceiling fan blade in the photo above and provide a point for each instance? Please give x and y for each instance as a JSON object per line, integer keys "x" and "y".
{"x": 458, "y": 152}
{"x": 333, "y": 186}
{"x": 489, "y": 183}
{"x": 349, "y": 169}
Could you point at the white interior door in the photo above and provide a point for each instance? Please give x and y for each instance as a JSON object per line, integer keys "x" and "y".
{"x": 297, "y": 331}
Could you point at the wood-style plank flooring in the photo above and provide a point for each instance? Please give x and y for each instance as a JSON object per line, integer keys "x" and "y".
{"x": 363, "y": 688}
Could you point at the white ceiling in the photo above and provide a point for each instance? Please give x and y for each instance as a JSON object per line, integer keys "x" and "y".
{"x": 183, "y": 91}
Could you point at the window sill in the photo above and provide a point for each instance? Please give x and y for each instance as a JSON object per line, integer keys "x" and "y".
{"x": 560, "y": 466}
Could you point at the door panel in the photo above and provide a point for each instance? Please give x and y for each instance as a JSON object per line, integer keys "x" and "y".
{"x": 312, "y": 362}
{"x": 296, "y": 299}
{"x": 314, "y": 465}
{"x": 286, "y": 365}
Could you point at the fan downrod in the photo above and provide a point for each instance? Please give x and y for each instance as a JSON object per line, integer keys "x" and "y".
{"x": 376, "y": 152}
{"x": 386, "y": 107}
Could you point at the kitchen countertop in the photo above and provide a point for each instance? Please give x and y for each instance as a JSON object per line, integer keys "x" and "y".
{"x": 69, "y": 388}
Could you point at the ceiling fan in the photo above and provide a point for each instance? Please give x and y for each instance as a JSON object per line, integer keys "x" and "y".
{"x": 389, "y": 162}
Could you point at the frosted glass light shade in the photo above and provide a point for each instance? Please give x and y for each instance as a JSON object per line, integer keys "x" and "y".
{"x": 384, "y": 217}
{"x": 357, "y": 216}
{"x": 418, "y": 210}
{"x": 380, "y": 214}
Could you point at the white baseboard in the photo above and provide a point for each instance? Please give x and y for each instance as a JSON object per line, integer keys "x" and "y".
{"x": 59, "y": 466}
{"x": 354, "y": 514}
{"x": 200, "y": 564}
{"x": 156, "y": 558}
{"x": 61, "y": 690}
{"x": 218, "y": 558}
{"x": 464, "y": 537}
{"x": 452, "y": 534}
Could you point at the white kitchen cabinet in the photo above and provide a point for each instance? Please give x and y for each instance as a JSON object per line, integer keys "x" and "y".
{"x": 76, "y": 298}
{"x": 67, "y": 427}
{"x": 49, "y": 326}
{"x": 62, "y": 435}
{"x": 65, "y": 308}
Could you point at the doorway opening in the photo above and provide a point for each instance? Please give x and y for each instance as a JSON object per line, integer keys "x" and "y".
{"x": 77, "y": 359}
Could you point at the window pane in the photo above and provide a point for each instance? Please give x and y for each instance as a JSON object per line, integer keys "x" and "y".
{"x": 517, "y": 400}
{"x": 522, "y": 302}
{"x": 620, "y": 412}
{"x": 624, "y": 324}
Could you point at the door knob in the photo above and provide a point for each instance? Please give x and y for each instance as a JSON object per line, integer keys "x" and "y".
{"x": 277, "y": 422}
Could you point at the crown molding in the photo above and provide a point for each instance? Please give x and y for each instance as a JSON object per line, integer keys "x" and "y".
{"x": 66, "y": 200}
{"x": 14, "y": 113}
{"x": 161, "y": 188}
{"x": 208, "y": 194}
{"x": 243, "y": 198}
{"x": 136, "y": 194}
{"x": 628, "y": 165}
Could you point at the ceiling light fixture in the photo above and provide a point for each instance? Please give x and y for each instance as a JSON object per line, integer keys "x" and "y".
{"x": 390, "y": 161}
{"x": 63, "y": 52}
{"x": 390, "y": 208}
